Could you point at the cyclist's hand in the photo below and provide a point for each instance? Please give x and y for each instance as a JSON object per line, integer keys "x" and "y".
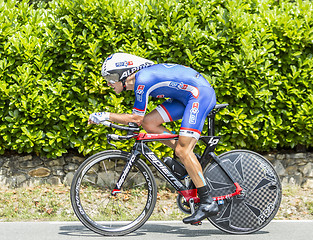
{"x": 96, "y": 118}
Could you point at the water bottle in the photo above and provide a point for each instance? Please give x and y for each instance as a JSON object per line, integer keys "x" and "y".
{"x": 176, "y": 167}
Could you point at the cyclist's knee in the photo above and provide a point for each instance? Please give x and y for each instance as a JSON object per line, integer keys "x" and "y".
{"x": 184, "y": 147}
{"x": 152, "y": 122}
{"x": 181, "y": 152}
{"x": 148, "y": 126}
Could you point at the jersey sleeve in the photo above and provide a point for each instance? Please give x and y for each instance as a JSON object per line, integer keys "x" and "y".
{"x": 141, "y": 98}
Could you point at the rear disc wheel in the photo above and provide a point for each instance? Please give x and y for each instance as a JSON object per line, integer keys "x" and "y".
{"x": 261, "y": 196}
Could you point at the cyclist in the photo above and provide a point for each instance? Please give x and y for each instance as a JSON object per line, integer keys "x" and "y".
{"x": 191, "y": 99}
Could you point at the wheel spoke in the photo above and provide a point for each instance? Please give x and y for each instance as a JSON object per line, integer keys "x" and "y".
{"x": 139, "y": 184}
{"x": 125, "y": 207}
{"x": 105, "y": 169}
{"x": 134, "y": 175}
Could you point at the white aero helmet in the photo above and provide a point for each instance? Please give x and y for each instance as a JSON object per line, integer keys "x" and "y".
{"x": 118, "y": 66}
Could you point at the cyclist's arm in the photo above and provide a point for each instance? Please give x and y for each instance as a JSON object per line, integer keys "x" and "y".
{"x": 126, "y": 118}
{"x": 98, "y": 117}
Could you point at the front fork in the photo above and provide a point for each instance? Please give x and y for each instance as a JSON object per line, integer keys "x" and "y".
{"x": 133, "y": 158}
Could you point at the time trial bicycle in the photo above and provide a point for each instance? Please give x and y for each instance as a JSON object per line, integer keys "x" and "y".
{"x": 244, "y": 184}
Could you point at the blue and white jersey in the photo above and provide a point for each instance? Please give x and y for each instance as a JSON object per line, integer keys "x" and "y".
{"x": 192, "y": 95}
{"x": 167, "y": 81}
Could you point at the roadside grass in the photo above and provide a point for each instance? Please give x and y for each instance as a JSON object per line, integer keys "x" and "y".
{"x": 297, "y": 204}
{"x": 52, "y": 203}
{"x": 45, "y": 202}
{"x": 310, "y": 207}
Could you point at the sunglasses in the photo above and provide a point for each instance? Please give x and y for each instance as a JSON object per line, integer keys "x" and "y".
{"x": 112, "y": 78}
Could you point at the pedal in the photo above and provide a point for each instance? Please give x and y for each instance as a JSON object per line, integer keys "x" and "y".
{"x": 196, "y": 223}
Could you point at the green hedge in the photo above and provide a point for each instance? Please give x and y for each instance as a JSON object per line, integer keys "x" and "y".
{"x": 257, "y": 54}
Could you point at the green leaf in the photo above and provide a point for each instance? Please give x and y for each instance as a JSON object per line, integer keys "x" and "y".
{"x": 50, "y": 135}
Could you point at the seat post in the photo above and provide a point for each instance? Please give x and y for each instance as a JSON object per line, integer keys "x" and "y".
{"x": 211, "y": 118}
{"x": 211, "y": 123}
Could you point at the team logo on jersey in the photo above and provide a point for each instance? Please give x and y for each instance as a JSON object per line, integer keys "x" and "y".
{"x": 193, "y": 113}
{"x": 182, "y": 86}
{"x": 139, "y": 92}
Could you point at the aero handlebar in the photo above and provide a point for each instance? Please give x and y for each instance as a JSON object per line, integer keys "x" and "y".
{"x": 132, "y": 127}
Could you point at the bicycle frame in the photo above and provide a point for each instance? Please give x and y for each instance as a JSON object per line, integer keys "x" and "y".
{"x": 140, "y": 147}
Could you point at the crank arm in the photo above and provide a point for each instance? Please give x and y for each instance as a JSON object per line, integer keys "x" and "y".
{"x": 192, "y": 205}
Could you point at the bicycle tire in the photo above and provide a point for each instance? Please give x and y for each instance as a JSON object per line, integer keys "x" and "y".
{"x": 110, "y": 215}
{"x": 261, "y": 196}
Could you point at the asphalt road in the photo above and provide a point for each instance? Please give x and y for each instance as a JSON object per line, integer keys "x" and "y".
{"x": 170, "y": 230}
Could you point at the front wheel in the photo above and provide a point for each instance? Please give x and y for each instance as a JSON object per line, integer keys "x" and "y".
{"x": 110, "y": 215}
{"x": 260, "y": 198}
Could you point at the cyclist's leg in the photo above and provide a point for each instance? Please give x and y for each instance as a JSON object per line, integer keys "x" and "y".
{"x": 194, "y": 116}
{"x": 193, "y": 119}
{"x": 167, "y": 112}
{"x": 207, "y": 207}
{"x": 184, "y": 150}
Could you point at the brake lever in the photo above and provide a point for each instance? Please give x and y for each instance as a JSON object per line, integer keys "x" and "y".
{"x": 109, "y": 141}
